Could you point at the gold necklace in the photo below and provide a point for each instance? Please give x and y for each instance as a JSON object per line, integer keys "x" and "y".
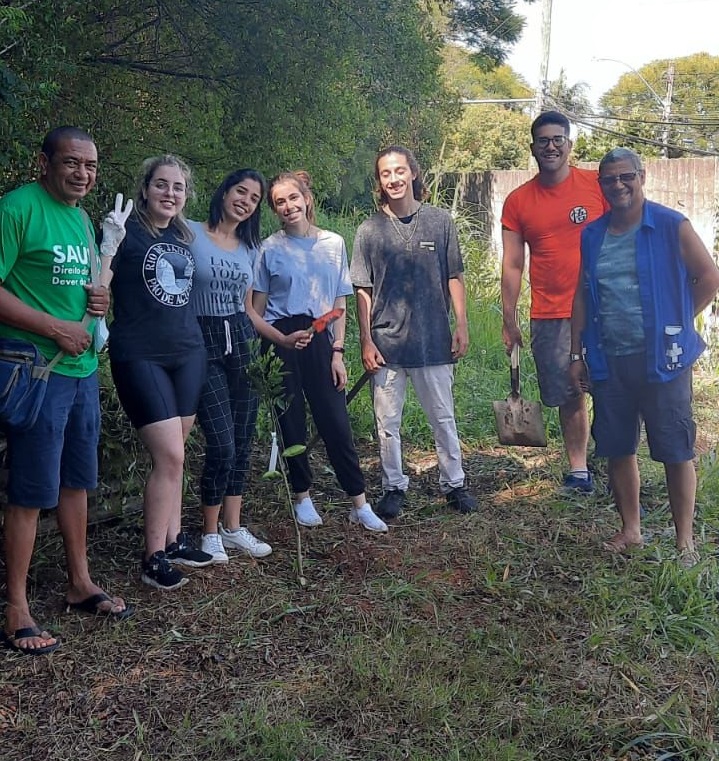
{"x": 408, "y": 240}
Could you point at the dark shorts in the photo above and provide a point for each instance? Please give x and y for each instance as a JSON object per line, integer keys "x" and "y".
{"x": 155, "y": 390}
{"x": 551, "y": 343}
{"x": 60, "y": 450}
{"x": 626, "y": 398}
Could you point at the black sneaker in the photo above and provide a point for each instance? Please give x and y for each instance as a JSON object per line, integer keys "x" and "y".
{"x": 182, "y": 552}
{"x": 157, "y": 572}
{"x": 390, "y": 504}
{"x": 461, "y": 500}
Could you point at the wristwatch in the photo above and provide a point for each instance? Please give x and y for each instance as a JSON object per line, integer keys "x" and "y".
{"x": 575, "y": 357}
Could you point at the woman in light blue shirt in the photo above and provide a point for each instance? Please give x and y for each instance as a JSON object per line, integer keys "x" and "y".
{"x": 224, "y": 249}
{"x": 302, "y": 274}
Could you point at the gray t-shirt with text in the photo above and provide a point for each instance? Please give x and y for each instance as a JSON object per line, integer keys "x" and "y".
{"x": 222, "y": 278}
{"x": 409, "y": 278}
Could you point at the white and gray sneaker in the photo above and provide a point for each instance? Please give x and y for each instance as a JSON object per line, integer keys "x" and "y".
{"x": 212, "y": 545}
{"x": 242, "y": 539}
{"x": 306, "y": 513}
{"x": 366, "y": 517}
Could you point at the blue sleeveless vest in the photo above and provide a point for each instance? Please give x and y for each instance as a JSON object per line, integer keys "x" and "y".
{"x": 672, "y": 342}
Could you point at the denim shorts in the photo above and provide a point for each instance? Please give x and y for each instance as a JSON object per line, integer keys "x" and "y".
{"x": 551, "y": 343}
{"x": 626, "y": 398}
{"x": 60, "y": 450}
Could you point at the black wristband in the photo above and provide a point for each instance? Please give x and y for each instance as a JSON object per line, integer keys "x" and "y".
{"x": 339, "y": 349}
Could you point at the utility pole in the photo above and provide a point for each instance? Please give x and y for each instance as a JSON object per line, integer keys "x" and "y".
{"x": 544, "y": 63}
{"x": 667, "y": 110}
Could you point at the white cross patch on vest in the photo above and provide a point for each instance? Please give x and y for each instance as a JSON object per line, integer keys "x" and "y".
{"x": 674, "y": 351}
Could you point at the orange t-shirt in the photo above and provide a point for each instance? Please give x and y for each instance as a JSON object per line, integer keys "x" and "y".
{"x": 551, "y": 219}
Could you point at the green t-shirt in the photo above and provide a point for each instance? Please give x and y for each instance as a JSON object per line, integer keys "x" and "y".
{"x": 44, "y": 261}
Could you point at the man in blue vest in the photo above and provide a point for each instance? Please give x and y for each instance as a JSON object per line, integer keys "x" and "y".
{"x": 645, "y": 276}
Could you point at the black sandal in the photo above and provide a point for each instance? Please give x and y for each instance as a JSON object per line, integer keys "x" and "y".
{"x": 92, "y": 605}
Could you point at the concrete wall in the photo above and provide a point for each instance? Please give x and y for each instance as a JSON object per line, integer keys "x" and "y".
{"x": 688, "y": 185}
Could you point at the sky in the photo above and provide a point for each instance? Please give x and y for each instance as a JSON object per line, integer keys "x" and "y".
{"x": 634, "y": 32}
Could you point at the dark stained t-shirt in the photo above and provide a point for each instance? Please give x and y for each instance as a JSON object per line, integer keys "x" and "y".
{"x": 408, "y": 270}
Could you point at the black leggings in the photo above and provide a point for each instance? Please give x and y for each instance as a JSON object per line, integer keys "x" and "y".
{"x": 155, "y": 390}
{"x": 309, "y": 376}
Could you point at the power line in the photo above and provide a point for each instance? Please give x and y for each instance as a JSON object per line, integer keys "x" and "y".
{"x": 676, "y": 122}
{"x": 578, "y": 119}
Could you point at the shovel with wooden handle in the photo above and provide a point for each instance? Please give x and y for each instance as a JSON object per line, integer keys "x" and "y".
{"x": 519, "y": 422}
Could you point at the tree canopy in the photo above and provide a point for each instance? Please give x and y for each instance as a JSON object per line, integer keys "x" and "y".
{"x": 672, "y": 101}
{"x": 276, "y": 85}
{"x": 487, "y": 135}
{"x": 488, "y": 28}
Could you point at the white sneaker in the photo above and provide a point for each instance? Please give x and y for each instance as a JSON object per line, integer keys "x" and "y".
{"x": 366, "y": 517}
{"x": 306, "y": 514}
{"x": 212, "y": 545}
{"x": 242, "y": 539}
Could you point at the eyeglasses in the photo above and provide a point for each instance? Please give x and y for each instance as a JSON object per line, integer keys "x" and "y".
{"x": 556, "y": 140}
{"x": 607, "y": 180}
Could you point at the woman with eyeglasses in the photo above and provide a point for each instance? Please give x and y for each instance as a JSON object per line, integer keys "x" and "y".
{"x": 157, "y": 356}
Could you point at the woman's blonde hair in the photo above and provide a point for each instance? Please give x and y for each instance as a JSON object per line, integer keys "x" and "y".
{"x": 147, "y": 172}
{"x": 302, "y": 180}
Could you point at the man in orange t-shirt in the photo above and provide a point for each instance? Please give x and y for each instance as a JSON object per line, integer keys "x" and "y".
{"x": 548, "y": 214}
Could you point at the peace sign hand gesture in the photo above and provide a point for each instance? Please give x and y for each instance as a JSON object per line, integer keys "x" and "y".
{"x": 113, "y": 226}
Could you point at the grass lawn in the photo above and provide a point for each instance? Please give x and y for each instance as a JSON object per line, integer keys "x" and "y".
{"x": 507, "y": 635}
{"x": 504, "y": 636}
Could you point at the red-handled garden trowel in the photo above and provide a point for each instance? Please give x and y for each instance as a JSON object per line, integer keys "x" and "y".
{"x": 325, "y": 320}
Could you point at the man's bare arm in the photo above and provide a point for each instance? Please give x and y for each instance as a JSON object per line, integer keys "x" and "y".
{"x": 512, "y": 271}
{"x": 700, "y": 265}
{"x": 371, "y": 357}
{"x": 460, "y": 337}
{"x": 70, "y": 336}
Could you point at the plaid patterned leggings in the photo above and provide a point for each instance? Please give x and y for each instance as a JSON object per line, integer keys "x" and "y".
{"x": 227, "y": 412}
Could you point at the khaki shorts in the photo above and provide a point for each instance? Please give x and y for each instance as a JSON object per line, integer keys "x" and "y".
{"x": 551, "y": 342}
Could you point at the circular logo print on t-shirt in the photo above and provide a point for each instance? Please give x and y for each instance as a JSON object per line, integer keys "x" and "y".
{"x": 578, "y": 215}
{"x": 168, "y": 271}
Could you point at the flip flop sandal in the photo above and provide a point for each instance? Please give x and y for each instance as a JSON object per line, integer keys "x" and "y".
{"x": 92, "y": 605}
{"x": 10, "y": 641}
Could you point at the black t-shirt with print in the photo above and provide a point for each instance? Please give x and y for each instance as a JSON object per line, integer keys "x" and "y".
{"x": 153, "y": 317}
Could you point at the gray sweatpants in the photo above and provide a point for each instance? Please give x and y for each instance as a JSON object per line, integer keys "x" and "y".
{"x": 433, "y": 386}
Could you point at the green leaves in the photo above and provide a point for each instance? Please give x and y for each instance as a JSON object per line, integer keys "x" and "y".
{"x": 273, "y": 85}
{"x": 294, "y": 450}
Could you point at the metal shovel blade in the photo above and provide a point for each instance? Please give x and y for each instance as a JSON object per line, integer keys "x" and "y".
{"x": 519, "y": 422}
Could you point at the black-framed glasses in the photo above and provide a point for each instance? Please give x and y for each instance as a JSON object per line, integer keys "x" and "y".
{"x": 556, "y": 140}
{"x": 607, "y": 180}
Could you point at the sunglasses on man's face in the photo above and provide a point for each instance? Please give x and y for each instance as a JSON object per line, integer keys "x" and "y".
{"x": 556, "y": 140}
{"x": 607, "y": 180}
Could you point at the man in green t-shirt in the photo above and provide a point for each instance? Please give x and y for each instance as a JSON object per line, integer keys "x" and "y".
{"x": 45, "y": 292}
